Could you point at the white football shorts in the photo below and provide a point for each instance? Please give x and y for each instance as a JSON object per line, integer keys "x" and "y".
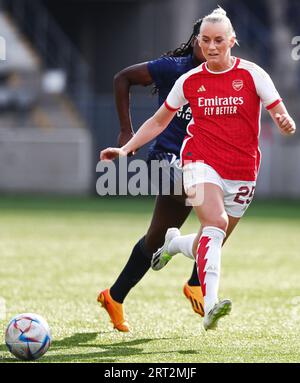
{"x": 237, "y": 194}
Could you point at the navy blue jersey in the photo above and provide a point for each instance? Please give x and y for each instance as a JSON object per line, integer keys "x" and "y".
{"x": 164, "y": 72}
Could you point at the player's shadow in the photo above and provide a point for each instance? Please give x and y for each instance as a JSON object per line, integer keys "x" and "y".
{"x": 109, "y": 352}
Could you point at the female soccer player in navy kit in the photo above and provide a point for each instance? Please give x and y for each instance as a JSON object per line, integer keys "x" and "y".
{"x": 170, "y": 210}
{"x": 220, "y": 155}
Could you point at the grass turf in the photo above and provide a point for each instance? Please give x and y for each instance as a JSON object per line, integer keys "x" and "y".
{"x": 57, "y": 253}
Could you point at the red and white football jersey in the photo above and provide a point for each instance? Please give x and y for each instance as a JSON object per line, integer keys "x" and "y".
{"x": 226, "y": 108}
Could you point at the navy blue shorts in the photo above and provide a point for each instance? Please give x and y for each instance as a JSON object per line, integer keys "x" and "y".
{"x": 165, "y": 173}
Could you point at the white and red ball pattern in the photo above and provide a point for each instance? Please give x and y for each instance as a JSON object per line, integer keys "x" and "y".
{"x": 28, "y": 336}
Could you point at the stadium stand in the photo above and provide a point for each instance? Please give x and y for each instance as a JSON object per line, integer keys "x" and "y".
{"x": 46, "y": 143}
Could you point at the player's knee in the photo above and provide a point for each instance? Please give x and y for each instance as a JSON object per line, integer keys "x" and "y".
{"x": 221, "y": 222}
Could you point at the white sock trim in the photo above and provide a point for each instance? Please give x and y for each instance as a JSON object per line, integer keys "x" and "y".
{"x": 213, "y": 228}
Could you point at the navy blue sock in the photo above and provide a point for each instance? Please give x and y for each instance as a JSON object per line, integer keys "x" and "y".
{"x": 194, "y": 280}
{"x": 138, "y": 264}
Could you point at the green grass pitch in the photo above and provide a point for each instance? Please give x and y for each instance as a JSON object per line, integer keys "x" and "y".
{"x": 57, "y": 253}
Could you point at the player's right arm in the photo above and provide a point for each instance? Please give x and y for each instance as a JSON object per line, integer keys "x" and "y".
{"x": 147, "y": 132}
{"x": 154, "y": 125}
{"x": 134, "y": 75}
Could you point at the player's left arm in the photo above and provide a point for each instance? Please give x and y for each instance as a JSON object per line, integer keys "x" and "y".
{"x": 272, "y": 101}
{"x": 282, "y": 119}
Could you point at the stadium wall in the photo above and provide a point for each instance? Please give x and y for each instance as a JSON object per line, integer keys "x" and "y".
{"x": 33, "y": 160}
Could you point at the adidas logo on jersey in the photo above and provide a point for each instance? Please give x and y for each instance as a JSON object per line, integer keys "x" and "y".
{"x": 201, "y": 89}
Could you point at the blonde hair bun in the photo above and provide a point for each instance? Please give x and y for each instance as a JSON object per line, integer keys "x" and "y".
{"x": 219, "y": 12}
{"x": 219, "y": 15}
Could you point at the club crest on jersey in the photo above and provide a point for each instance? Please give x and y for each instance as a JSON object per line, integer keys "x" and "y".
{"x": 237, "y": 84}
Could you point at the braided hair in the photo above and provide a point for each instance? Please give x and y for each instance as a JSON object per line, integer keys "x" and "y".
{"x": 185, "y": 49}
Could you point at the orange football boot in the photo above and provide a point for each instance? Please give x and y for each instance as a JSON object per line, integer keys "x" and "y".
{"x": 195, "y": 296}
{"x": 114, "y": 310}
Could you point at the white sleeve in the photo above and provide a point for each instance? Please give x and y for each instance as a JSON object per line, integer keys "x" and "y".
{"x": 176, "y": 98}
{"x": 265, "y": 88}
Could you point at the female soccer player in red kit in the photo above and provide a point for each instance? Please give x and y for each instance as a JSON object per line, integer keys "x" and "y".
{"x": 220, "y": 155}
{"x": 170, "y": 210}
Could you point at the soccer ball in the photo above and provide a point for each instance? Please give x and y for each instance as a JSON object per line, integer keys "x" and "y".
{"x": 28, "y": 336}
